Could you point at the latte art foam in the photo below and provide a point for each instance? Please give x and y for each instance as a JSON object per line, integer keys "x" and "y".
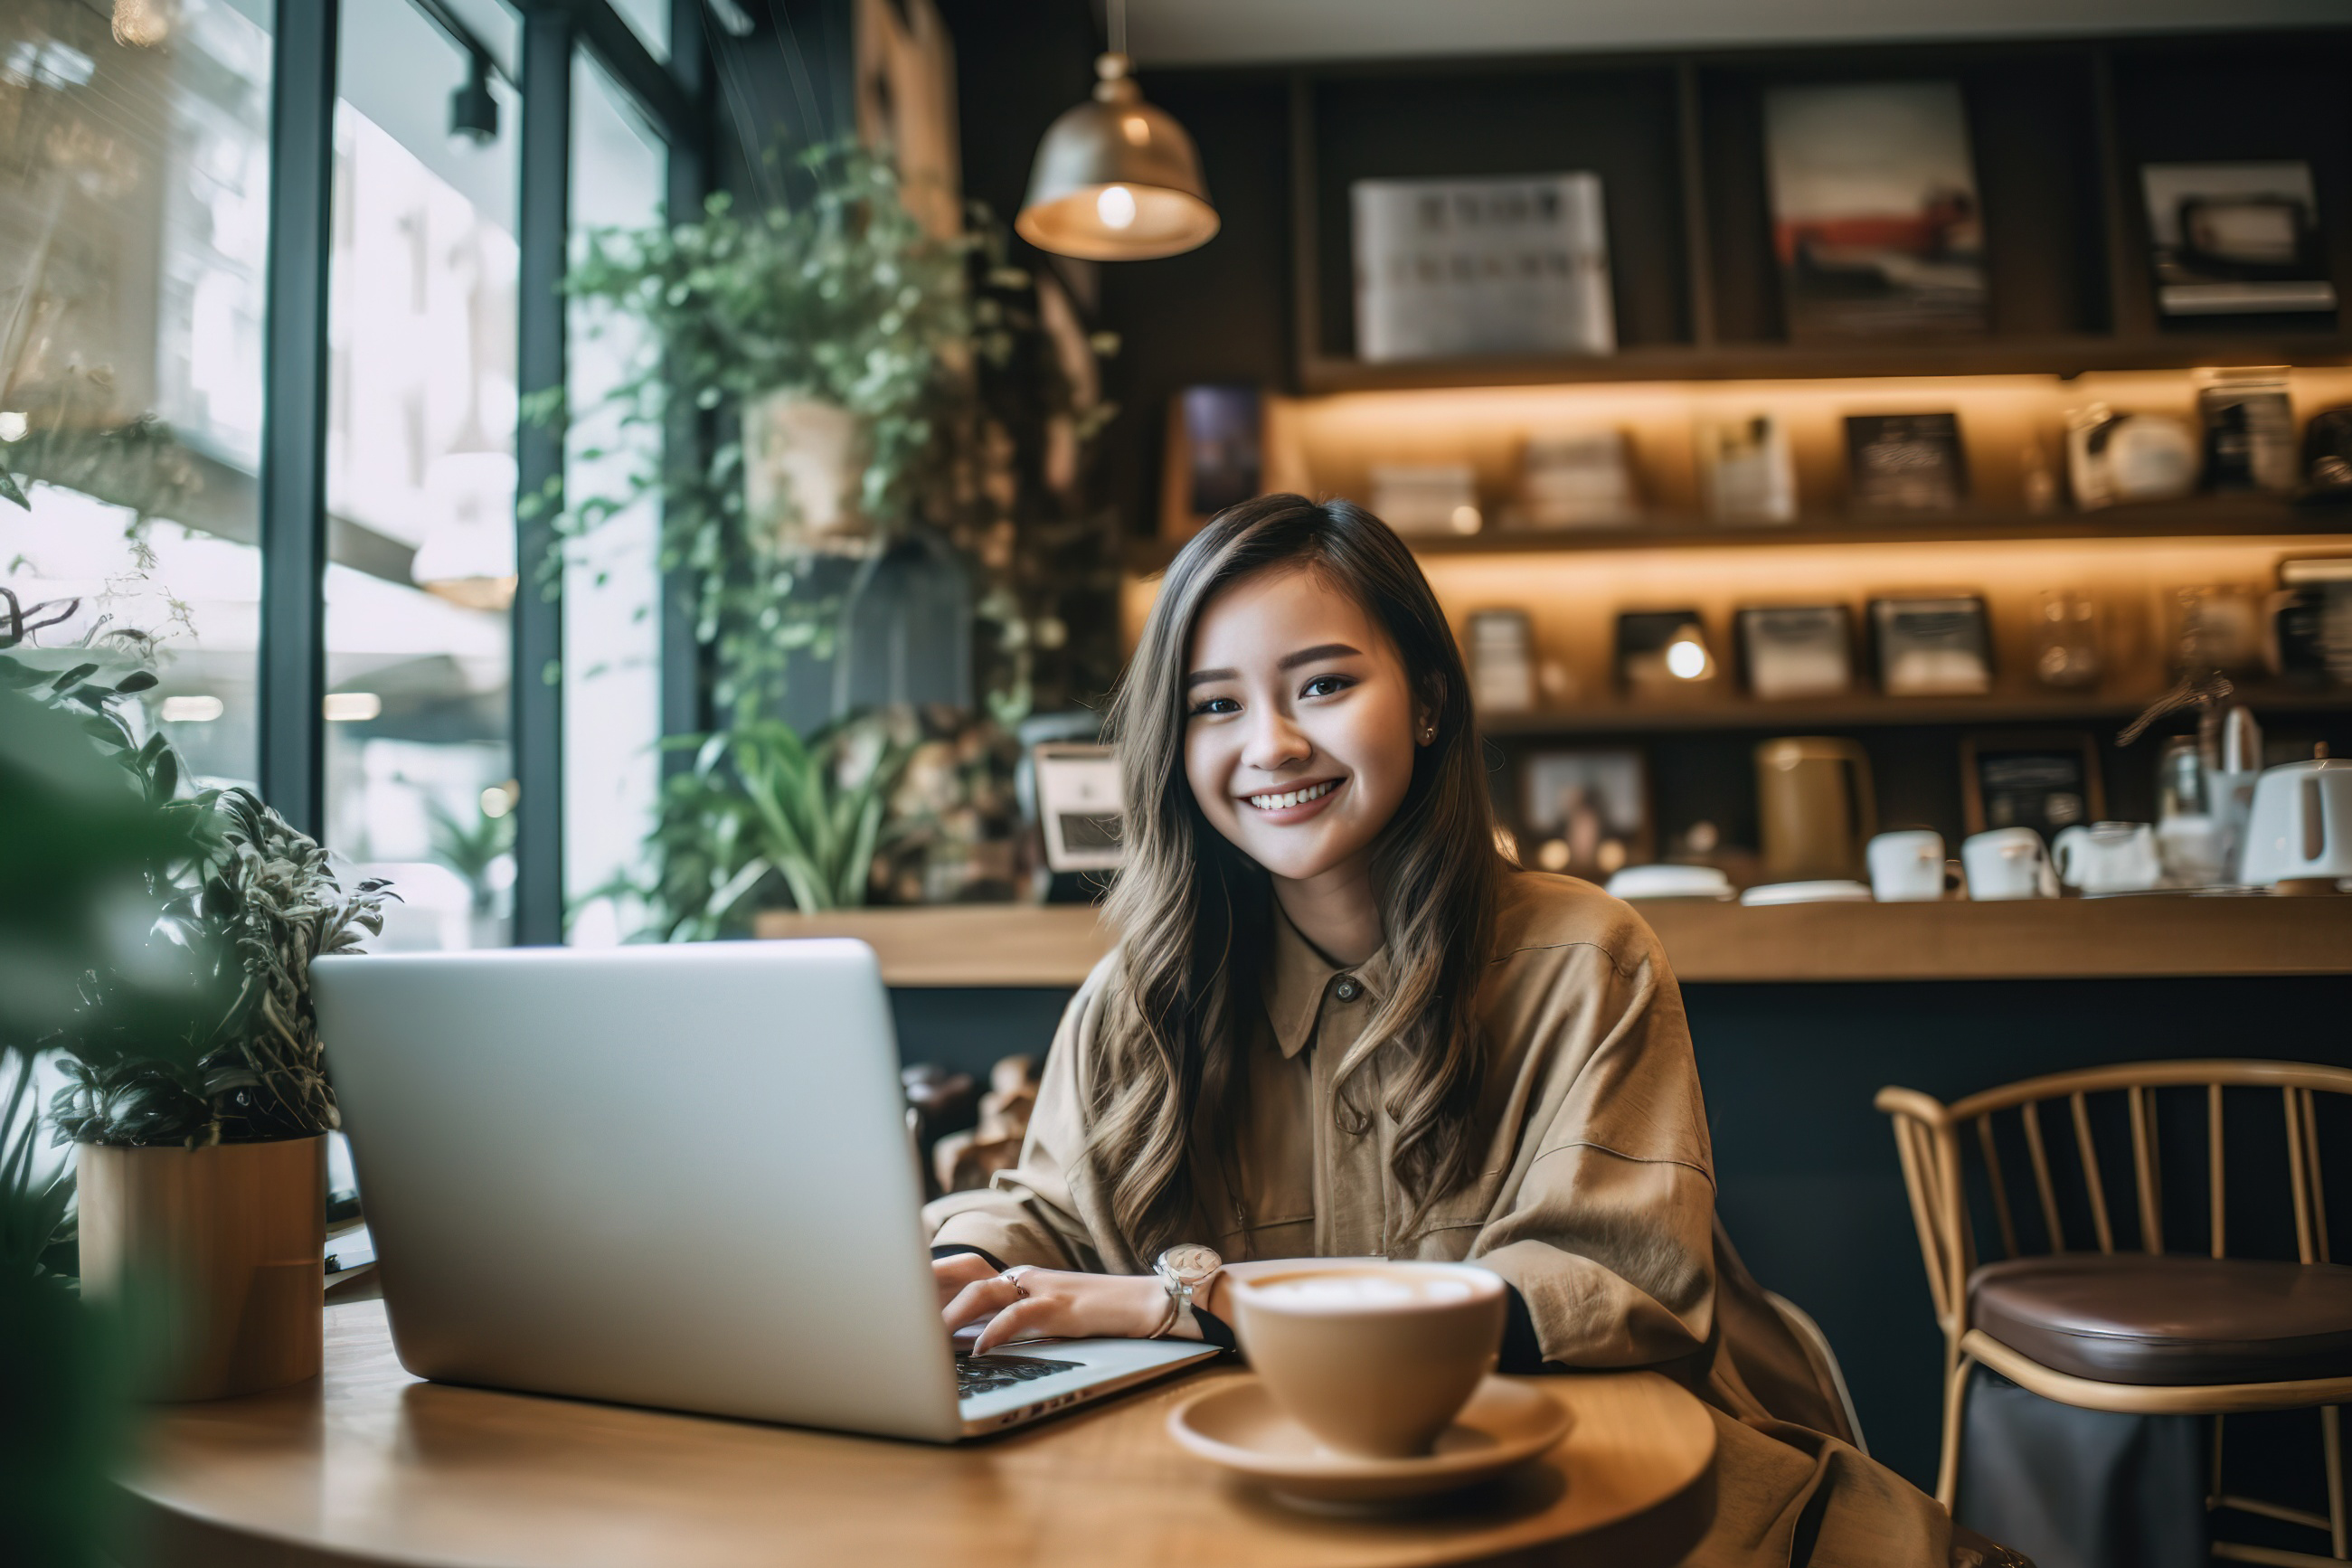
{"x": 1343, "y": 1292}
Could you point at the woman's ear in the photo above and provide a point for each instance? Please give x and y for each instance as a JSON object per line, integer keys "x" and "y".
{"x": 1426, "y": 711}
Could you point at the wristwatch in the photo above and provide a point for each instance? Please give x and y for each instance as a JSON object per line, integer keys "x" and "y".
{"x": 1185, "y": 1268}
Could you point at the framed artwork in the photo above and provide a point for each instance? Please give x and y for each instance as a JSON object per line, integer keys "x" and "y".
{"x": 1512, "y": 265}
{"x": 2231, "y": 240}
{"x": 1905, "y": 462}
{"x": 2045, "y": 782}
{"x": 1216, "y": 455}
{"x": 1874, "y": 213}
{"x": 1587, "y": 812}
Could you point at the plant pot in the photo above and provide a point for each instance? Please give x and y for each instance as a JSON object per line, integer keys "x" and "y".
{"x": 804, "y": 461}
{"x": 227, "y": 1243}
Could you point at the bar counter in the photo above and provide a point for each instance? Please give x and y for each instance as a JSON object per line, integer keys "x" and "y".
{"x": 2167, "y": 935}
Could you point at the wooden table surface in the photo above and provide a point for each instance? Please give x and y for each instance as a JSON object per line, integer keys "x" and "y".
{"x": 369, "y": 1465}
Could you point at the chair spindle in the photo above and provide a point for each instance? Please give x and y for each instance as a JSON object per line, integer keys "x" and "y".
{"x": 2298, "y": 1175}
{"x": 2318, "y": 1178}
{"x": 2213, "y": 1148}
{"x": 2151, "y": 1208}
{"x": 2031, "y": 1113}
{"x": 2091, "y": 1181}
{"x": 1999, "y": 1186}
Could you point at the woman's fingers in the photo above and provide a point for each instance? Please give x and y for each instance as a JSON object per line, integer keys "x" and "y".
{"x": 957, "y": 1270}
{"x": 978, "y": 1298}
{"x": 1037, "y": 1318}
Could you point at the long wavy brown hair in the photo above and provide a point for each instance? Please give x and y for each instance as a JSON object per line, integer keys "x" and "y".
{"x": 1196, "y": 914}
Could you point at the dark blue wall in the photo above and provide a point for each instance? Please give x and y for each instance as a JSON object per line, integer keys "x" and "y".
{"x": 1806, "y": 1171}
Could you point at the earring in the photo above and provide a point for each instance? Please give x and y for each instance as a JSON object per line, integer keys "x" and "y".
{"x": 1429, "y": 735}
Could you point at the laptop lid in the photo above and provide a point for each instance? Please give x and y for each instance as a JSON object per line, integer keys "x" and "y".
{"x": 673, "y": 1176}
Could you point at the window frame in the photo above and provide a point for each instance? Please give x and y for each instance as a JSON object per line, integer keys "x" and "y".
{"x": 293, "y": 520}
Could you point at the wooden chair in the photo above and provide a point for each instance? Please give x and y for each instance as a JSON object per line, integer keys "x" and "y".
{"x": 2145, "y": 1331}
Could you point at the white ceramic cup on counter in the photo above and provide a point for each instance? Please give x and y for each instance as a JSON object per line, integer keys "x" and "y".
{"x": 1907, "y": 867}
{"x": 2007, "y": 863}
{"x": 2108, "y": 857}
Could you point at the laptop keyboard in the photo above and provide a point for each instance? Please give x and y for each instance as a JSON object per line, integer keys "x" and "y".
{"x": 987, "y": 1374}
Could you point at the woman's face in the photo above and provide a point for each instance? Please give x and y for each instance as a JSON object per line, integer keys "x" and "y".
{"x": 1301, "y": 723}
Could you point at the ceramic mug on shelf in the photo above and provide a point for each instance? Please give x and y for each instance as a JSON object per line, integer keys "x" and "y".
{"x": 2108, "y": 857}
{"x": 1907, "y": 867}
{"x": 2008, "y": 863}
{"x": 2299, "y": 839}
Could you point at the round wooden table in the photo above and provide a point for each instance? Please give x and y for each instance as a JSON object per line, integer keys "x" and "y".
{"x": 369, "y": 1465}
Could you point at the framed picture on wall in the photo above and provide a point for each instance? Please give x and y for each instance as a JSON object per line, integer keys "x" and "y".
{"x": 1875, "y": 214}
{"x": 1216, "y": 455}
{"x": 1587, "y": 812}
{"x": 2234, "y": 239}
{"x": 1515, "y": 264}
{"x": 2045, "y": 782}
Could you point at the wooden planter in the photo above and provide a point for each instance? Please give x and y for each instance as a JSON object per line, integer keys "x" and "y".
{"x": 231, "y": 1239}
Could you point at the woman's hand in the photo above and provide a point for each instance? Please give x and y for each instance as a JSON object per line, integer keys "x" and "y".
{"x": 1057, "y": 1304}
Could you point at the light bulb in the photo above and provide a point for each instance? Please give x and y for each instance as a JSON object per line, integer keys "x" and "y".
{"x": 1116, "y": 206}
{"x": 1685, "y": 660}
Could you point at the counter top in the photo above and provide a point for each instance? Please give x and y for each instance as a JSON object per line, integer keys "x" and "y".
{"x": 2159, "y": 935}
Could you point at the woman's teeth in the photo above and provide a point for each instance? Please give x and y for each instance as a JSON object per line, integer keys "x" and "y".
{"x": 1293, "y": 797}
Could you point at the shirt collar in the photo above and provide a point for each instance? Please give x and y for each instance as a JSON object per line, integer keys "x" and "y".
{"x": 1299, "y": 978}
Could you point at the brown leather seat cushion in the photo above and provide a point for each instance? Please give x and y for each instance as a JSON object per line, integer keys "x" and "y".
{"x": 2130, "y": 1318}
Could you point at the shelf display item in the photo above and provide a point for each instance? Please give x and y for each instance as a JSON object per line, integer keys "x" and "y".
{"x": 2189, "y": 837}
{"x": 1797, "y": 651}
{"x": 1223, "y": 452}
{"x": 1816, "y": 808}
{"x": 2041, "y": 782}
{"x": 1932, "y": 647}
{"x": 1578, "y": 479}
{"x": 2249, "y": 430}
{"x": 1426, "y": 497}
{"x": 2005, "y": 864}
{"x": 1454, "y": 268}
{"x": 1078, "y": 801}
{"x": 1502, "y": 662}
{"x": 2066, "y": 640}
{"x": 1906, "y": 462}
{"x": 2311, "y": 622}
{"x": 1588, "y": 812}
{"x": 1746, "y": 471}
{"x": 2217, "y": 626}
{"x": 2327, "y": 456}
{"x": 1875, "y": 220}
{"x": 1660, "y": 651}
{"x": 2112, "y": 459}
{"x": 2299, "y": 839}
{"x": 2234, "y": 240}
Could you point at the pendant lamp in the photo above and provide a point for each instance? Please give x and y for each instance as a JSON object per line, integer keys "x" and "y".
{"x": 1116, "y": 179}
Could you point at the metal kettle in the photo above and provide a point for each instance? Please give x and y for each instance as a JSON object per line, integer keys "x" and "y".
{"x": 1815, "y": 806}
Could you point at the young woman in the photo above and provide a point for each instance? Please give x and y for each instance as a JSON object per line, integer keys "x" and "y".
{"x": 1340, "y": 1023}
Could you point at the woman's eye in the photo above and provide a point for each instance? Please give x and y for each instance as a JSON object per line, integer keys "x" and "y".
{"x": 1215, "y": 705}
{"x": 1325, "y": 686}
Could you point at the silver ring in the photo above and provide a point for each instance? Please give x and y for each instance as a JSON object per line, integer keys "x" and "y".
{"x": 1013, "y": 1276}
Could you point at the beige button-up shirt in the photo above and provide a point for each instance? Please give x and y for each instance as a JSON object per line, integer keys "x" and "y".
{"x": 1596, "y": 1193}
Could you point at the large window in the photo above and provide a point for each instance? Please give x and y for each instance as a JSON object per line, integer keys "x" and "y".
{"x": 156, "y": 411}
{"x": 612, "y": 632}
{"x": 134, "y": 167}
{"x": 420, "y": 462}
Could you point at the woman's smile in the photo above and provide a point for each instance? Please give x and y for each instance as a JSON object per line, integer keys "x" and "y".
{"x": 1296, "y": 804}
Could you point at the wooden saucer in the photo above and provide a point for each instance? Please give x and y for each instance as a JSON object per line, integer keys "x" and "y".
{"x": 1238, "y": 1427}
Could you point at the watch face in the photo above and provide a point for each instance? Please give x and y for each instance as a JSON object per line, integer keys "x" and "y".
{"x": 1191, "y": 1262}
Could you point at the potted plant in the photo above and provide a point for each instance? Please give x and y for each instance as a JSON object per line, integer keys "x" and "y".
{"x": 196, "y": 1092}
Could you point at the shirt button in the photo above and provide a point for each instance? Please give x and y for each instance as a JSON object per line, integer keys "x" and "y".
{"x": 1348, "y": 988}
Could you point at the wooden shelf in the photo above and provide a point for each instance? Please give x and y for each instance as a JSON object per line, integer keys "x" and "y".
{"x": 2167, "y": 936}
{"x": 2221, "y": 516}
{"x": 2064, "y": 356}
{"x": 1616, "y": 715}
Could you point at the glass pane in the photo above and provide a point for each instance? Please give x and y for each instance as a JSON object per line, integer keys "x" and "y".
{"x": 135, "y": 205}
{"x": 421, "y": 483}
{"x": 649, "y": 20}
{"x": 611, "y": 632}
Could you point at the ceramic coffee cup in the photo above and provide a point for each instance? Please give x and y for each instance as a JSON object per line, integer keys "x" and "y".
{"x": 2108, "y": 857}
{"x": 1374, "y": 1359}
{"x": 1907, "y": 867}
{"x": 2008, "y": 863}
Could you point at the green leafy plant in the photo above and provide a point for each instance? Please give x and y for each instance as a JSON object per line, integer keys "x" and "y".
{"x": 470, "y": 848}
{"x": 761, "y": 809}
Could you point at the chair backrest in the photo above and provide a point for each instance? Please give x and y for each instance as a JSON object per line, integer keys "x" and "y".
{"x": 1937, "y": 1142}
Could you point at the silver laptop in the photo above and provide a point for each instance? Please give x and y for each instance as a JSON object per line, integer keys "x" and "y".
{"x": 673, "y": 1176}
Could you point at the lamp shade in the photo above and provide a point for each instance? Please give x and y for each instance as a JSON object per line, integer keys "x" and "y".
{"x": 1116, "y": 179}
